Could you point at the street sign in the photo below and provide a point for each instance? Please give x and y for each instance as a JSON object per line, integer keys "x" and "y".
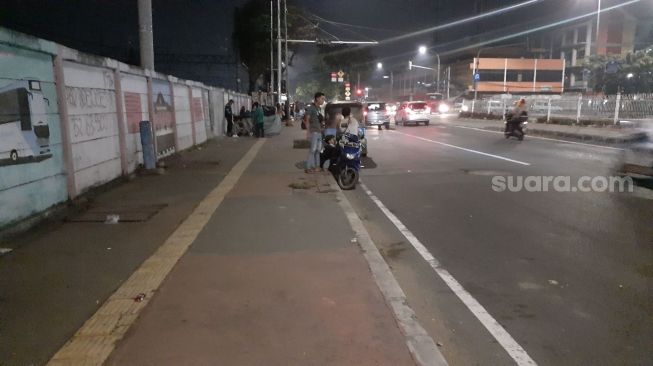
{"x": 347, "y": 98}
{"x": 477, "y": 77}
{"x": 341, "y": 74}
{"x": 340, "y": 80}
{"x": 347, "y": 93}
{"x": 333, "y": 77}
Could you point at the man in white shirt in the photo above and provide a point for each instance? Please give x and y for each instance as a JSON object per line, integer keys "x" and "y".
{"x": 352, "y": 123}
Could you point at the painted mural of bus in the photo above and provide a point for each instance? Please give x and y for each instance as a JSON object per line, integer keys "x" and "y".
{"x": 24, "y": 130}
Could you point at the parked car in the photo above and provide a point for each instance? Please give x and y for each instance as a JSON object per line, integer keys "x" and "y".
{"x": 376, "y": 114}
{"x": 413, "y": 112}
{"x": 333, "y": 115}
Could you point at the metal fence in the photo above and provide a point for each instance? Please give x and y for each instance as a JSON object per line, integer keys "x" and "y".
{"x": 603, "y": 108}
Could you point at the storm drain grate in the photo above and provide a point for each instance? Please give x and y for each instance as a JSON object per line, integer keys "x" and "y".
{"x": 134, "y": 213}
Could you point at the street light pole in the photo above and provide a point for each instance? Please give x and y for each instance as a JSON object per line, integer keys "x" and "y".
{"x": 438, "y": 56}
{"x": 279, "y": 51}
{"x": 598, "y": 23}
{"x": 145, "y": 34}
{"x": 271, "y": 88}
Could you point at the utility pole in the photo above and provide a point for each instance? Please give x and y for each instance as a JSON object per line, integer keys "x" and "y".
{"x": 448, "y": 80}
{"x": 598, "y": 23}
{"x": 146, "y": 37}
{"x": 285, "y": 25}
{"x": 271, "y": 88}
{"x": 279, "y": 68}
{"x": 358, "y": 82}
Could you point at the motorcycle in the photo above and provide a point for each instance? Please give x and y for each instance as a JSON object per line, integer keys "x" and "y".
{"x": 515, "y": 126}
{"x": 346, "y": 170}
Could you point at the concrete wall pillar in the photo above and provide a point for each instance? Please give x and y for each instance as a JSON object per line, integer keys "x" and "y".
{"x": 66, "y": 142}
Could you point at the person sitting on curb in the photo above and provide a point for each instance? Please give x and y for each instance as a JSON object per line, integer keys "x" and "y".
{"x": 330, "y": 152}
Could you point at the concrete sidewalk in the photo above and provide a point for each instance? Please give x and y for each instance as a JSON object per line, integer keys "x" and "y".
{"x": 274, "y": 277}
{"x": 60, "y": 271}
{"x": 606, "y": 135}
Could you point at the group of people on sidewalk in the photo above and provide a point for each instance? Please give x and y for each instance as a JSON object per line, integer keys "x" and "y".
{"x": 322, "y": 140}
{"x": 256, "y": 115}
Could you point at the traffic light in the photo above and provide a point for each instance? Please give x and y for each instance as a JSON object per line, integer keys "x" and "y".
{"x": 359, "y": 92}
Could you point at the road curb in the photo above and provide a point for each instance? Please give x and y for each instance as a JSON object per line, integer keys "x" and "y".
{"x": 421, "y": 346}
{"x": 572, "y": 135}
{"x": 533, "y": 130}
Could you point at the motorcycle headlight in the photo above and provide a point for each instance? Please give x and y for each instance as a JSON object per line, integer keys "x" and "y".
{"x": 464, "y": 108}
{"x": 443, "y": 108}
{"x": 350, "y": 156}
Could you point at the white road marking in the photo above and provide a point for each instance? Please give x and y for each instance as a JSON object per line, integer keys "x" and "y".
{"x": 424, "y": 350}
{"x": 515, "y": 351}
{"x": 465, "y": 149}
{"x": 544, "y": 138}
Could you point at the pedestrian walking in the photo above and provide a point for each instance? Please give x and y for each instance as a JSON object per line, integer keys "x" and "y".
{"x": 229, "y": 116}
{"x": 314, "y": 121}
{"x": 258, "y": 117}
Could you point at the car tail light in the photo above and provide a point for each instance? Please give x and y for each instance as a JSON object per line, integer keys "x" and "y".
{"x": 364, "y": 113}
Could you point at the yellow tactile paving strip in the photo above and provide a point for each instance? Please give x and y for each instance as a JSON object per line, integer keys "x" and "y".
{"x": 96, "y": 339}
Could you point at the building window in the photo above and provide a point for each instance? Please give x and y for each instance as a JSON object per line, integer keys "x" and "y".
{"x": 569, "y": 37}
{"x": 580, "y": 54}
{"x": 549, "y": 75}
{"x": 582, "y": 34}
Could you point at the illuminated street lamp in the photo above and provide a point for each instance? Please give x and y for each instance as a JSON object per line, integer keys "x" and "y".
{"x": 379, "y": 65}
{"x": 422, "y": 51}
{"x": 630, "y": 75}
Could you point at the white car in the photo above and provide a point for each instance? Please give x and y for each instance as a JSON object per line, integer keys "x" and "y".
{"x": 413, "y": 112}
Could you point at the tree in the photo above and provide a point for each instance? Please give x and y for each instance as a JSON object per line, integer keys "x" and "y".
{"x": 352, "y": 60}
{"x": 252, "y": 35}
{"x": 632, "y": 73}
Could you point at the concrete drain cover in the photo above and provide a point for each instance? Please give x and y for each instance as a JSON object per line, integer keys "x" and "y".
{"x": 123, "y": 213}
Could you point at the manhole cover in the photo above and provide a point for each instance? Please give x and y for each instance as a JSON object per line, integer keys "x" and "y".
{"x": 124, "y": 213}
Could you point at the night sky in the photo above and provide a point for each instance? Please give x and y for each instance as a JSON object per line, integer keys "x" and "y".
{"x": 110, "y": 27}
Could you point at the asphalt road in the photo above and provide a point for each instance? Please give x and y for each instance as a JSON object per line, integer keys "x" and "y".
{"x": 566, "y": 274}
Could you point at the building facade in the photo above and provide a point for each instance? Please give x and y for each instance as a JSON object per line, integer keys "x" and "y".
{"x": 576, "y": 43}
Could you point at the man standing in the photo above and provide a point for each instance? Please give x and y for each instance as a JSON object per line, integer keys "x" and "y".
{"x": 229, "y": 116}
{"x": 314, "y": 121}
{"x": 257, "y": 116}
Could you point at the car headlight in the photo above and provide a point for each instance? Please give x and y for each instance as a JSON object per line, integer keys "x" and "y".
{"x": 350, "y": 156}
{"x": 443, "y": 108}
{"x": 464, "y": 108}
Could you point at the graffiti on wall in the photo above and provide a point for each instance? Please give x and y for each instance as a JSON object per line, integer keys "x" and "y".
{"x": 91, "y": 112}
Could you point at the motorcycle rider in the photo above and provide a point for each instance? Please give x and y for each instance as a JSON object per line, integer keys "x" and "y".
{"x": 514, "y": 118}
{"x": 352, "y": 124}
